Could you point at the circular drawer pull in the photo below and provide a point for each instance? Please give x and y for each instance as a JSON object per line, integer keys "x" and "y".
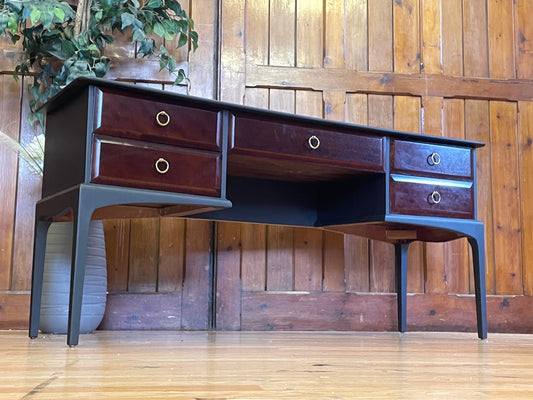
{"x": 162, "y": 166}
{"x": 434, "y": 159}
{"x": 434, "y": 198}
{"x": 162, "y": 118}
{"x": 314, "y": 142}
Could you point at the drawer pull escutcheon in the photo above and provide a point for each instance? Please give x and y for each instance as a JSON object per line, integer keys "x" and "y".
{"x": 162, "y": 118}
{"x": 314, "y": 142}
{"x": 435, "y": 197}
{"x": 162, "y": 166}
{"x": 434, "y": 159}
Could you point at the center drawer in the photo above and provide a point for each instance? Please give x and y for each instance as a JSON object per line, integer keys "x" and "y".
{"x": 306, "y": 144}
{"x": 132, "y": 163}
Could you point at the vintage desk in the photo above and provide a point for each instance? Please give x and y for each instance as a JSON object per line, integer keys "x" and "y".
{"x": 114, "y": 144}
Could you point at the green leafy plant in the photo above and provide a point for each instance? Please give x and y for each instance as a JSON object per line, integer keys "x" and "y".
{"x": 61, "y": 42}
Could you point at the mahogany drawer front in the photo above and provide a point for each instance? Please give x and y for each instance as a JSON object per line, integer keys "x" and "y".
{"x": 123, "y": 162}
{"x": 439, "y": 199}
{"x": 306, "y": 144}
{"x": 431, "y": 160}
{"x": 146, "y": 119}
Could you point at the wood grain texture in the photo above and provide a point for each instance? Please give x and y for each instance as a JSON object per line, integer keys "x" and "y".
{"x": 380, "y": 27}
{"x": 282, "y": 33}
{"x": 452, "y": 37}
{"x": 501, "y": 39}
{"x": 334, "y": 34}
{"x": 475, "y": 41}
{"x": 310, "y": 33}
{"x": 356, "y": 35}
{"x": 117, "y": 241}
{"x": 171, "y": 254}
{"x": 144, "y": 254}
{"x": 308, "y": 259}
{"x": 406, "y": 36}
{"x": 253, "y": 261}
{"x": 228, "y": 277}
{"x": 198, "y": 280}
{"x": 10, "y": 94}
{"x": 280, "y": 258}
{"x": 505, "y": 195}
{"x": 524, "y": 37}
{"x": 28, "y": 193}
{"x": 431, "y": 36}
{"x": 525, "y": 125}
{"x": 334, "y": 264}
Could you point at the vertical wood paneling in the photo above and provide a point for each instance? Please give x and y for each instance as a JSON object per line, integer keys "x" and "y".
{"x": 202, "y": 68}
{"x": 334, "y": 34}
{"x": 232, "y": 55}
{"x": 280, "y": 258}
{"x": 144, "y": 253}
{"x": 282, "y": 32}
{"x": 356, "y": 35}
{"x": 28, "y": 193}
{"x": 9, "y": 107}
{"x": 197, "y": 284}
{"x": 525, "y": 124}
{"x": 501, "y": 39}
{"x": 171, "y": 254}
{"x": 309, "y": 33}
{"x": 228, "y": 290}
{"x": 452, "y": 37}
{"x": 257, "y": 31}
{"x": 477, "y": 127}
{"x": 308, "y": 259}
{"x": 406, "y": 36}
{"x": 431, "y": 36}
{"x": 505, "y": 197}
{"x": 117, "y": 239}
{"x": 475, "y": 43}
{"x": 282, "y": 100}
{"x": 380, "y": 35}
{"x": 524, "y": 39}
{"x": 334, "y": 267}
{"x": 253, "y": 259}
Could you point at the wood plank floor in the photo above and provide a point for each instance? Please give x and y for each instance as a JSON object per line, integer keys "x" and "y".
{"x": 266, "y": 365}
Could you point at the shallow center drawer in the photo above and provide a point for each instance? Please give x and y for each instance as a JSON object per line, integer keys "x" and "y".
{"x": 305, "y": 143}
{"x": 146, "y": 165}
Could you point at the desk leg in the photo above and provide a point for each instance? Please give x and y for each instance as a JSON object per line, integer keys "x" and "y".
{"x": 401, "y": 283}
{"x": 39, "y": 248}
{"x": 478, "y": 253}
{"x": 82, "y": 219}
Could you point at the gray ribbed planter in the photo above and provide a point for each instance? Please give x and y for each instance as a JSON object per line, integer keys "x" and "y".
{"x": 56, "y": 280}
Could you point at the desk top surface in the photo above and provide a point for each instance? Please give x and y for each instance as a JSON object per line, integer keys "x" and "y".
{"x": 80, "y": 84}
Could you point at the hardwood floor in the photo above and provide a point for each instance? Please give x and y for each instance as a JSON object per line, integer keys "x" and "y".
{"x": 266, "y": 365}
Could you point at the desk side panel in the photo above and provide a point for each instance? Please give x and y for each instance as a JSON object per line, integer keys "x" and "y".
{"x": 66, "y": 145}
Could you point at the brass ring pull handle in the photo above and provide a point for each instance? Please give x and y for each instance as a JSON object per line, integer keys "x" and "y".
{"x": 434, "y": 159}
{"x": 435, "y": 197}
{"x": 162, "y": 166}
{"x": 314, "y": 142}
{"x": 162, "y": 118}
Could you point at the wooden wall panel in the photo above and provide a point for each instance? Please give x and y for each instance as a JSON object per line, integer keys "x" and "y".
{"x": 380, "y": 35}
{"x": 10, "y": 95}
{"x": 505, "y": 198}
{"x": 501, "y": 39}
{"x": 475, "y": 43}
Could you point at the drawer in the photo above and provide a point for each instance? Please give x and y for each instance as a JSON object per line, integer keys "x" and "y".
{"x": 305, "y": 143}
{"x": 431, "y": 160}
{"x": 124, "y": 162}
{"x": 150, "y": 120}
{"x": 439, "y": 198}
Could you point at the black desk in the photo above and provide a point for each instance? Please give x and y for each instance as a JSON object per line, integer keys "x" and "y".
{"x": 110, "y": 144}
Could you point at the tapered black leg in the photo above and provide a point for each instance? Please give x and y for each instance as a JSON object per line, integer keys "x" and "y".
{"x": 39, "y": 248}
{"x": 478, "y": 253}
{"x": 82, "y": 219}
{"x": 401, "y": 283}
